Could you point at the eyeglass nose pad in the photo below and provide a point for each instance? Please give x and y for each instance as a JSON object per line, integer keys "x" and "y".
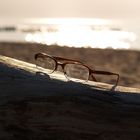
{"x": 65, "y": 74}
{"x": 93, "y": 78}
{"x": 64, "y": 71}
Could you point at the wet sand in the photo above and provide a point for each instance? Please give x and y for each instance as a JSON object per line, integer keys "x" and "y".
{"x": 124, "y": 62}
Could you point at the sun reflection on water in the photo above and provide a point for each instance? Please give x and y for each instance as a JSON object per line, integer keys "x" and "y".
{"x": 82, "y": 33}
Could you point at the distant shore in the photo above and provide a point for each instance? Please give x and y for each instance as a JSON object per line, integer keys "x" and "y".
{"x": 124, "y": 62}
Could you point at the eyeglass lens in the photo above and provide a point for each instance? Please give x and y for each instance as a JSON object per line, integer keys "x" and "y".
{"x": 47, "y": 63}
{"x": 77, "y": 71}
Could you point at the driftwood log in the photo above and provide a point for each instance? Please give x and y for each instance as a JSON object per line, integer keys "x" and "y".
{"x": 34, "y": 105}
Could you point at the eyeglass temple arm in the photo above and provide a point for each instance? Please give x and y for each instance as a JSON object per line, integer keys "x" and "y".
{"x": 107, "y": 73}
{"x": 39, "y": 55}
{"x": 93, "y": 78}
{"x": 66, "y": 59}
{"x": 43, "y": 55}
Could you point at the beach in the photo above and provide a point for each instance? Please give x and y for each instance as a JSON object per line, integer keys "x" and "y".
{"x": 123, "y": 62}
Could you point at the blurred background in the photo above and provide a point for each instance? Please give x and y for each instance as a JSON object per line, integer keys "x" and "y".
{"x": 90, "y": 23}
{"x": 103, "y": 33}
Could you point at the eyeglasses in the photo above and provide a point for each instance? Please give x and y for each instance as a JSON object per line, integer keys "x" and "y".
{"x": 72, "y": 69}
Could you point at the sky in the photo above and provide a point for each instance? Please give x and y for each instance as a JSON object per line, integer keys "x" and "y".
{"x": 122, "y": 9}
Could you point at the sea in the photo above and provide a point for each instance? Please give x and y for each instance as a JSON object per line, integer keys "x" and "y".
{"x": 73, "y": 32}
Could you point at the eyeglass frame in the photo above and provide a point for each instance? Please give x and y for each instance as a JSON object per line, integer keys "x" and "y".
{"x": 72, "y": 61}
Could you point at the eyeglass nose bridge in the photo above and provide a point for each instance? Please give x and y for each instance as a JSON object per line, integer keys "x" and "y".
{"x": 62, "y": 65}
{"x": 91, "y": 76}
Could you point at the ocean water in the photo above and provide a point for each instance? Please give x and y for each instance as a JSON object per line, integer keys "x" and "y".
{"x": 73, "y": 32}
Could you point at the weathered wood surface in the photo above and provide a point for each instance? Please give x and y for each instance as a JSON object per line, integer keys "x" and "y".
{"x": 37, "y": 106}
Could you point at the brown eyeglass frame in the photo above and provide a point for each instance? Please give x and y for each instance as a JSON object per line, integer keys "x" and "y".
{"x": 58, "y": 61}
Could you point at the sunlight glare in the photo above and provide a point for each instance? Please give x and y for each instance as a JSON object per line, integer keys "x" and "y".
{"x": 95, "y": 33}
